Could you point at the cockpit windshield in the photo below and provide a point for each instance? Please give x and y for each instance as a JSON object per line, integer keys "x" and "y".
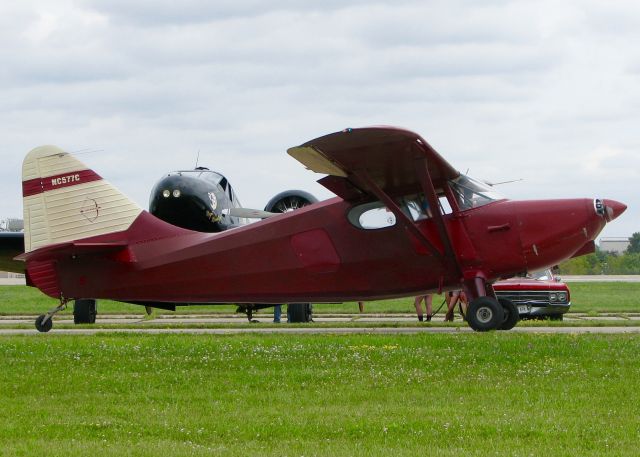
{"x": 208, "y": 175}
{"x": 472, "y": 194}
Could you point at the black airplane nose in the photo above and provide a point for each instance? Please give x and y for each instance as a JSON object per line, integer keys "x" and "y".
{"x": 613, "y": 209}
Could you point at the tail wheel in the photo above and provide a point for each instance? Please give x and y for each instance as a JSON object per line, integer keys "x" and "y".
{"x": 43, "y": 325}
{"x": 511, "y": 314}
{"x": 484, "y": 314}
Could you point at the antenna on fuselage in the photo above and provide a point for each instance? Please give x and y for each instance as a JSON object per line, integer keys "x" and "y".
{"x": 492, "y": 184}
{"x": 197, "y": 159}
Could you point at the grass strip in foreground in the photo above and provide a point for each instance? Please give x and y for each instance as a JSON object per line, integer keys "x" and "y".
{"x": 293, "y": 395}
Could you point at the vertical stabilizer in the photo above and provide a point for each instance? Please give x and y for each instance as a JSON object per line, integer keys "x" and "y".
{"x": 65, "y": 201}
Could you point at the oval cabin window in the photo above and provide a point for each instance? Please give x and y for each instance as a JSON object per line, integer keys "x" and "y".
{"x": 371, "y": 216}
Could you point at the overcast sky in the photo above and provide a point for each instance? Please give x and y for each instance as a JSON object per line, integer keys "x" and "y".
{"x": 546, "y": 91}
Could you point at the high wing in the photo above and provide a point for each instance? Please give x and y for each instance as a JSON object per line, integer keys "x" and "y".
{"x": 390, "y": 157}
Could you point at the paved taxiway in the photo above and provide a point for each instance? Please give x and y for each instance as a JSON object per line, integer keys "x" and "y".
{"x": 184, "y": 323}
{"x": 316, "y": 330}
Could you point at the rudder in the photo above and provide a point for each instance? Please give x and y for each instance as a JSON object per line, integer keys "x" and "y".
{"x": 64, "y": 200}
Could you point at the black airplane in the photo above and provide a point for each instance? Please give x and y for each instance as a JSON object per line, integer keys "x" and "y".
{"x": 201, "y": 200}
{"x": 11, "y": 245}
{"x": 204, "y": 201}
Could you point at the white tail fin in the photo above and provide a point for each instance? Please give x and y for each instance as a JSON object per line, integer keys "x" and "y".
{"x": 65, "y": 201}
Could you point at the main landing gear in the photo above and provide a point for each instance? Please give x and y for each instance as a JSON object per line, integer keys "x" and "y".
{"x": 44, "y": 322}
{"x": 84, "y": 311}
{"x": 486, "y": 312}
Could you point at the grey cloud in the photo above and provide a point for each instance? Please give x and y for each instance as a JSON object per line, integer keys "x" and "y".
{"x": 166, "y": 12}
{"x": 508, "y": 88}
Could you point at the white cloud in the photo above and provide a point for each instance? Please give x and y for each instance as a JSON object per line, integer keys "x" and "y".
{"x": 509, "y": 89}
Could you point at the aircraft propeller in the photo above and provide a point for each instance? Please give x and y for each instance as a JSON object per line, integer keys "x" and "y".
{"x": 248, "y": 213}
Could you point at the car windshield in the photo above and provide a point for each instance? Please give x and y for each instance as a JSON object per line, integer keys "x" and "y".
{"x": 542, "y": 275}
{"x": 472, "y": 194}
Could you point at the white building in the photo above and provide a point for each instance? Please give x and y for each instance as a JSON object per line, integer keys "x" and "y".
{"x": 615, "y": 245}
{"x": 4, "y": 274}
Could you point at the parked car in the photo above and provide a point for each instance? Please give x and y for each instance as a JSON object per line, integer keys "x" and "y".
{"x": 538, "y": 295}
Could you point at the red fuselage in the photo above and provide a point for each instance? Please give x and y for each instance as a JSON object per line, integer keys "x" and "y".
{"x": 317, "y": 254}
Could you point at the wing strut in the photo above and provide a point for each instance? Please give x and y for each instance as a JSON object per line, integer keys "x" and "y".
{"x": 422, "y": 170}
{"x": 406, "y": 221}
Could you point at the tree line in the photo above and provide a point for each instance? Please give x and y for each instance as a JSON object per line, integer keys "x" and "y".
{"x": 606, "y": 263}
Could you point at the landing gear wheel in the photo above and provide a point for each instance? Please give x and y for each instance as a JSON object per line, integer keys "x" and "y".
{"x": 300, "y": 312}
{"x": 43, "y": 327}
{"x": 484, "y": 314}
{"x": 556, "y": 317}
{"x": 84, "y": 311}
{"x": 511, "y": 314}
{"x": 44, "y": 322}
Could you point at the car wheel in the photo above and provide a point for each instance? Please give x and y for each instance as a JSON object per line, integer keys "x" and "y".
{"x": 511, "y": 314}
{"x": 484, "y": 314}
{"x": 556, "y": 317}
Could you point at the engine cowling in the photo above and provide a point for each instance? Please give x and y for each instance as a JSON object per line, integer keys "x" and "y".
{"x": 289, "y": 200}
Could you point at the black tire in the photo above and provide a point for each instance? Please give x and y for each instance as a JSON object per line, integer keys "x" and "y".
{"x": 511, "y": 314}
{"x": 556, "y": 317}
{"x": 484, "y": 314}
{"x": 84, "y": 311}
{"x": 299, "y": 312}
{"x": 43, "y": 327}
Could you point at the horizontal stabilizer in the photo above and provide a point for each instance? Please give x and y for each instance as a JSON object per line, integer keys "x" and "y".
{"x": 71, "y": 249}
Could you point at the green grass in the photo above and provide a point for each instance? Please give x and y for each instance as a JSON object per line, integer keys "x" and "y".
{"x": 320, "y": 395}
{"x": 605, "y": 296}
{"x": 585, "y": 297}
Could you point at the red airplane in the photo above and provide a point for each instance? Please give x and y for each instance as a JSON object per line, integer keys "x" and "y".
{"x": 404, "y": 222}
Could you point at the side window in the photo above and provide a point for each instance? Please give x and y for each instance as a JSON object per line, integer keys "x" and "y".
{"x": 371, "y": 216}
{"x": 375, "y": 215}
{"x": 445, "y": 207}
{"x": 415, "y": 206}
{"x": 414, "y": 209}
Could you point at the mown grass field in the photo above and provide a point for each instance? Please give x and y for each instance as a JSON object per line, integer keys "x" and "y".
{"x": 292, "y": 395}
{"x": 585, "y": 297}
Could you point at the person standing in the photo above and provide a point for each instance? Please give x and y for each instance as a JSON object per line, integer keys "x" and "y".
{"x": 428, "y": 300}
{"x": 452, "y": 299}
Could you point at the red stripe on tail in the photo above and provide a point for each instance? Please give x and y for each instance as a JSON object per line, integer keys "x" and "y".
{"x": 39, "y": 185}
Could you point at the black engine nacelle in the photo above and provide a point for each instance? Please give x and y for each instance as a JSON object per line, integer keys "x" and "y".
{"x": 289, "y": 200}
{"x": 286, "y": 201}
